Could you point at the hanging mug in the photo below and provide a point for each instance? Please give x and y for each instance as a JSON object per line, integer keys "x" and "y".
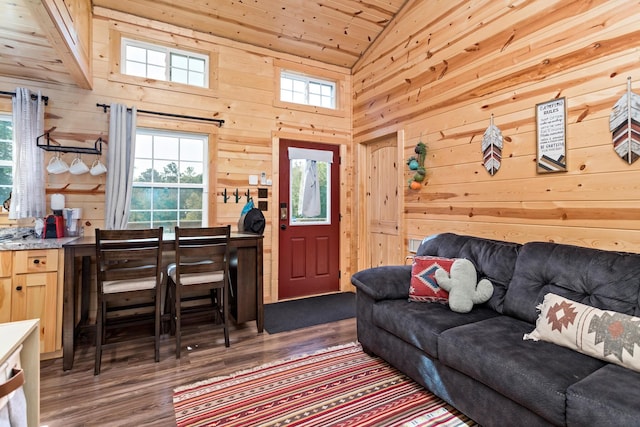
{"x": 97, "y": 168}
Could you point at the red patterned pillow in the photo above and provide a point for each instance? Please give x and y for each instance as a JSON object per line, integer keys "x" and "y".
{"x": 424, "y": 287}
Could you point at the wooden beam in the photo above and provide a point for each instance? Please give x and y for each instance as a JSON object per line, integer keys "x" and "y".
{"x": 64, "y": 33}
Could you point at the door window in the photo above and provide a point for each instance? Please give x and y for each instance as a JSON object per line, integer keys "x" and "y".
{"x": 310, "y": 186}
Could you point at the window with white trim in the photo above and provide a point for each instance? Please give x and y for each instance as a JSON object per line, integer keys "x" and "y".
{"x": 164, "y": 63}
{"x": 302, "y": 89}
{"x": 169, "y": 180}
{"x": 6, "y": 156}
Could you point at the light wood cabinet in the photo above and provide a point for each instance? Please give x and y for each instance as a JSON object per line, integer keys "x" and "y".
{"x": 6, "y": 262}
{"x": 35, "y": 293}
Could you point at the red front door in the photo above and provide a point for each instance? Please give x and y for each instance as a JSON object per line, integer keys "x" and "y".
{"x": 308, "y": 211}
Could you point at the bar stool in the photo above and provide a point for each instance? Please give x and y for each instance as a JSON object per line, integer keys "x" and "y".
{"x": 128, "y": 266}
{"x": 202, "y": 263}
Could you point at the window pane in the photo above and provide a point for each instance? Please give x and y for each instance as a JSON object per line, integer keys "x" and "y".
{"x": 179, "y": 61}
{"x": 167, "y": 170}
{"x": 134, "y": 53}
{"x": 314, "y": 99}
{"x": 6, "y": 177}
{"x": 155, "y": 72}
{"x": 165, "y": 198}
{"x": 165, "y": 147}
{"x": 196, "y": 64}
{"x": 286, "y": 96}
{"x": 141, "y": 198}
{"x": 6, "y": 150}
{"x": 190, "y": 173}
{"x": 136, "y": 69}
{"x": 196, "y": 79}
{"x": 143, "y": 171}
{"x": 155, "y": 57}
{"x": 191, "y": 149}
{"x": 179, "y": 76}
{"x": 191, "y": 198}
{"x": 299, "y": 98}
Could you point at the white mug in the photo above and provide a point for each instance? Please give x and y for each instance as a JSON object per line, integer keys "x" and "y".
{"x": 78, "y": 167}
{"x": 98, "y": 168}
{"x": 57, "y": 165}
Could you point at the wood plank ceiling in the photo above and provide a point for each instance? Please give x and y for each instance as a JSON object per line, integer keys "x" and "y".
{"x": 332, "y": 31}
{"x": 335, "y": 32}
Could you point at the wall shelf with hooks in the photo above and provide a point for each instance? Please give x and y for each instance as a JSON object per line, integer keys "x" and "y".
{"x": 97, "y": 146}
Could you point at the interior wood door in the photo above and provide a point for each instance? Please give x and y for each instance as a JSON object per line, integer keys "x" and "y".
{"x": 383, "y": 202}
{"x": 309, "y": 215}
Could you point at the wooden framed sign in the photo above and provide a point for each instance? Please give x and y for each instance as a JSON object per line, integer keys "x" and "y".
{"x": 551, "y": 133}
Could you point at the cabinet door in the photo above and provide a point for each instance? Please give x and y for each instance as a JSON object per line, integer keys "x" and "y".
{"x": 5, "y": 300}
{"x": 34, "y": 297}
{"x": 6, "y": 258}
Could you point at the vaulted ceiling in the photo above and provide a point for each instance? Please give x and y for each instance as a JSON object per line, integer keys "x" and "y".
{"x": 331, "y": 31}
{"x": 335, "y": 32}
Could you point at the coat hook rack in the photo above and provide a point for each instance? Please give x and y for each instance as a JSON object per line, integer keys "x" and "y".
{"x": 97, "y": 146}
{"x": 224, "y": 195}
{"x": 237, "y": 194}
{"x": 248, "y": 194}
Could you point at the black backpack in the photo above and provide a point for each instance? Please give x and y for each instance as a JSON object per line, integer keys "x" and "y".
{"x": 252, "y": 222}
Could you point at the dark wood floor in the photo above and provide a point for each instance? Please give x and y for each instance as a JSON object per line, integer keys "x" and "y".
{"x": 132, "y": 390}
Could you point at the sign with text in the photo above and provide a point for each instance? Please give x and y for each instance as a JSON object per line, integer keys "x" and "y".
{"x": 551, "y": 128}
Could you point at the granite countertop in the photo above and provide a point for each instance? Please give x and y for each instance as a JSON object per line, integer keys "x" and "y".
{"x": 23, "y": 239}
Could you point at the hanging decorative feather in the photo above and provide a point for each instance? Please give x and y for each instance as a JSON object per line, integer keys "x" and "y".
{"x": 624, "y": 123}
{"x": 492, "y": 148}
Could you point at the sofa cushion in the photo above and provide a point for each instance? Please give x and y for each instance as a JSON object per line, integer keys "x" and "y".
{"x": 533, "y": 374}
{"x": 493, "y": 259}
{"x": 420, "y": 324}
{"x": 607, "y": 335}
{"x": 608, "y": 397}
{"x": 424, "y": 286}
{"x": 603, "y": 279}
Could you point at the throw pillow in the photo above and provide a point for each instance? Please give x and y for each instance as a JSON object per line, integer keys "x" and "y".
{"x": 424, "y": 287}
{"x": 606, "y": 335}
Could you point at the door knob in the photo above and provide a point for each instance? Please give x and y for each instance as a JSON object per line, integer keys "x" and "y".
{"x": 283, "y": 226}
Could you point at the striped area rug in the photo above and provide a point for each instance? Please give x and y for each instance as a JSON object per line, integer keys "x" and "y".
{"x": 339, "y": 386}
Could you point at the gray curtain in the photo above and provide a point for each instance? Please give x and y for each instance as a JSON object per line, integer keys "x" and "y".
{"x": 28, "y": 193}
{"x": 122, "y": 138}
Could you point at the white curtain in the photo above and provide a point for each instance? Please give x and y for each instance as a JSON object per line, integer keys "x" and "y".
{"x": 309, "y": 205}
{"x": 28, "y": 194}
{"x": 122, "y": 139}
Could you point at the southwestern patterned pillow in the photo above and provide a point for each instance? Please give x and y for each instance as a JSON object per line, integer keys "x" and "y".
{"x": 424, "y": 287}
{"x": 607, "y": 335}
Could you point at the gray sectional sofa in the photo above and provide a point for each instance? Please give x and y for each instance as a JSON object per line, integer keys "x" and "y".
{"x": 478, "y": 361}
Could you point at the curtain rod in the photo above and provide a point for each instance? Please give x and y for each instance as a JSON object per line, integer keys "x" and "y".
{"x": 220, "y": 122}
{"x": 33, "y": 96}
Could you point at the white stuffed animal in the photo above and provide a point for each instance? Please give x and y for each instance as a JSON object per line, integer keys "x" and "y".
{"x": 462, "y": 287}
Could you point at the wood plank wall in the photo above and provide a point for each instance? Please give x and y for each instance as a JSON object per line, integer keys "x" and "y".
{"x": 443, "y": 67}
{"x": 243, "y": 94}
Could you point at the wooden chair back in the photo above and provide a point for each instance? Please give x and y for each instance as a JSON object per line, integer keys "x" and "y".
{"x": 202, "y": 252}
{"x": 128, "y": 255}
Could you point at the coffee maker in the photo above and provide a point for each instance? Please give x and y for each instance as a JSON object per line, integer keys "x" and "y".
{"x": 54, "y": 224}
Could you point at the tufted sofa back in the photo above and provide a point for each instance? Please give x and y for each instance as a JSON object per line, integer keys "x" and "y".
{"x": 493, "y": 259}
{"x": 604, "y": 279}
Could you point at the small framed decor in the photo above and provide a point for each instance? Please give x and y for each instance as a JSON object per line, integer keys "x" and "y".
{"x": 551, "y": 136}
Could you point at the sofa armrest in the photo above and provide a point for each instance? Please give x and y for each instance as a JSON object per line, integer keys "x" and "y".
{"x": 387, "y": 282}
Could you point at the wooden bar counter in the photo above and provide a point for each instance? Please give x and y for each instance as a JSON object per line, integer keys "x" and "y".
{"x": 245, "y": 305}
